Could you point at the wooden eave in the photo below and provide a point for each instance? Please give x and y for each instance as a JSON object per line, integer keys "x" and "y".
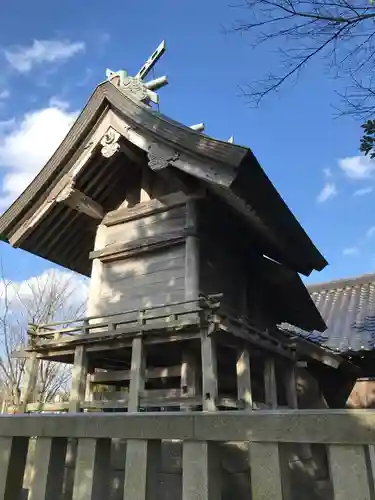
{"x": 231, "y": 171}
{"x": 287, "y": 297}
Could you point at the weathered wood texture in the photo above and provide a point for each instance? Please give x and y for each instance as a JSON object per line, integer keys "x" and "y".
{"x": 79, "y": 378}
{"x": 192, "y": 252}
{"x": 252, "y": 285}
{"x": 166, "y": 323}
{"x": 218, "y": 456}
{"x": 29, "y": 380}
{"x": 221, "y": 271}
{"x": 153, "y": 277}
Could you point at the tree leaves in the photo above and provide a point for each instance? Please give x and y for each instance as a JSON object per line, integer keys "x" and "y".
{"x": 368, "y": 138}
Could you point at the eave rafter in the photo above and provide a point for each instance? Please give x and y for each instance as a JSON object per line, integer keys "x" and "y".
{"x": 112, "y": 136}
{"x": 64, "y": 191}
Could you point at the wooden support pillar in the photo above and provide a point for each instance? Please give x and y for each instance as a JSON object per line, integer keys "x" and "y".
{"x": 270, "y": 383}
{"x": 244, "y": 392}
{"x": 209, "y": 372}
{"x": 191, "y": 252}
{"x": 79, "y": 378}
{"x": 137, "y": 374}
{"x": 291, "y": 386}
{"x": 188, "y": 377}
{"x": 97, "y": 270}
{"x": 29, "y": 381}
{"x": 89, "y": 385}
{"x": 304, "y": 449}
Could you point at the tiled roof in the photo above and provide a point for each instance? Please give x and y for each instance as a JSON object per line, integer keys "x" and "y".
{"x": 348, "y": 308}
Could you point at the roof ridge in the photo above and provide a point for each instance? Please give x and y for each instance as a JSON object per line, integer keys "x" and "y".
{"x": 342, "y": 282}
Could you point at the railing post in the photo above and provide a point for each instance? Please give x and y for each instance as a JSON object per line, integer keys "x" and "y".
{"x": 13, "y": 454}
{"x": 188, "y": 377}
{"x": 244, "y": 392}
{"x": 291, "y": 386}
{"x": 79, "y": 378}
{"x": 29, "y": 380}
{"x": 89, "y": 386}
{"x": 201, "y": 472}
{"x": 209, "y": 371}
{"x": 48, "y": 468}
{"x": 143, "y": 459}
{"x": 270, "y": 383}
{"x": 91, "y": 479}
{"x": 137, "y": 374}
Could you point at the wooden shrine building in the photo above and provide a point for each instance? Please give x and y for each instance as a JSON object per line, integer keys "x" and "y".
{"x": 194, "y": 261}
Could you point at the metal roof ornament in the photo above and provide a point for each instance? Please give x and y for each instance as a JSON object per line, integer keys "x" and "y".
{"x": 141, "y": 90}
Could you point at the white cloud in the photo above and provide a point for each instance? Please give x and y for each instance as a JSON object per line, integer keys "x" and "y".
{"x": 350, "y": 251}
{"x": 4, "y": 94}
{"x": 357, "y": 167}
{"x": 24, "y": 59}
{"x": 370, "y": 232}
{"x": 57, "y": 102}
{"x": 6, "y": 125}
{"x": 363, "y": 191}
{"x": 328, "y": 192}
{"x": 26, "y": 145}
{"x": 66, "y": 290}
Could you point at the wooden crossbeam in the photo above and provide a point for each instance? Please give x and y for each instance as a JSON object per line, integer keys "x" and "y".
{"x": 79, "y": 201}
{"x": 123, "y": 375}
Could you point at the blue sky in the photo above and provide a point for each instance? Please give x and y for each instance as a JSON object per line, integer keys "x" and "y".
{"x": 53, "y": 56}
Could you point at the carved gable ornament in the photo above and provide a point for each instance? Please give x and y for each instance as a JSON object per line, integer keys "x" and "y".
{"x": 110, "y": 143}
{"x": 160, "y": 156}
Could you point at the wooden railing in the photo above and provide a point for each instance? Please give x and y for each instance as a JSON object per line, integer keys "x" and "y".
{"x": 40, "y": 470}
{"x": 172, "y": 316}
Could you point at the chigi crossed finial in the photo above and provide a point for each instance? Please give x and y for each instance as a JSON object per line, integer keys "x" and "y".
{"x": 144, "y": 91}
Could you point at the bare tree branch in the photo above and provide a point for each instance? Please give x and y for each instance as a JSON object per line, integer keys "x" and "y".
{"x": 341, "y": 32}
{"x": 45, "y": 299}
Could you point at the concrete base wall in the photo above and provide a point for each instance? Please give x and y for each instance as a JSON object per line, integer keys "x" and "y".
{"x": 307, "y": 471}
{"x": 304, "y": 468}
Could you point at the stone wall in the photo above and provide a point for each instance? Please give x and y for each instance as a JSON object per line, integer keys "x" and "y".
{"x": 307, "y": 472}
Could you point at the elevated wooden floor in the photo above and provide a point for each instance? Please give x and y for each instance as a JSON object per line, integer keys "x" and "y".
{"x": 192, "y": 355}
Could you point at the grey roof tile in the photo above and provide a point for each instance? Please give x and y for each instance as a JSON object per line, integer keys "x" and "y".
{"x": 348, "y": 308}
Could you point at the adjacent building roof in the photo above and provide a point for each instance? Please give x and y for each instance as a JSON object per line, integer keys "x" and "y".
{"x": 348, "y": 308}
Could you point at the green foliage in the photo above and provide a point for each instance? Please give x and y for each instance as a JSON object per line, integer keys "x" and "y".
{"x": 368, "y": 139}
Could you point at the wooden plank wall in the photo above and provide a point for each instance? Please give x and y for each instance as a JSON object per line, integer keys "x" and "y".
{"x": 147, "y": 279}
{"x": 231, "y": 264}
{"x": 222, "y": 271}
